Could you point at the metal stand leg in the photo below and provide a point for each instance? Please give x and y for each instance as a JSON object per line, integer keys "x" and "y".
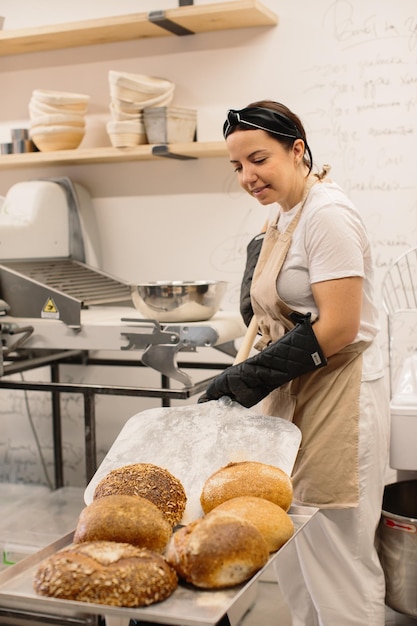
{"x": 90, "y": 435}
{"x": 165, "y": 385}
{"x": 57, "y": 429}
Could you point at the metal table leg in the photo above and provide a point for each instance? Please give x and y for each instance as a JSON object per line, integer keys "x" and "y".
{"x": 165, "y": 384}
{"x": 90, "y": 434}
{"x": 57, "y": 429}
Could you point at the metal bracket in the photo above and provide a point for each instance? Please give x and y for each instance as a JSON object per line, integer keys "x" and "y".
{"x": 158, "y": 18}
{"x": 162, "y": 345}
{"x": 228, "y": 348}
{"x": 147, "y": 332}
{"x": 163, "y": 151}
{"x": 12, "y": 329}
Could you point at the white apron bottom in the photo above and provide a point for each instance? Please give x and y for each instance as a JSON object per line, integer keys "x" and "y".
{"x": 330, "y": 574}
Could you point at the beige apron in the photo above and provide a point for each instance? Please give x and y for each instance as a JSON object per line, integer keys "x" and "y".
{"x": 324, "y": 403}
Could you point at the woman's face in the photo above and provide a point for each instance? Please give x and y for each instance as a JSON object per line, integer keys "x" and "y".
{"x": 266, "y": 169}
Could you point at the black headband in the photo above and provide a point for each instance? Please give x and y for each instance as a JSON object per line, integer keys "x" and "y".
{"x": 264, "y": 119}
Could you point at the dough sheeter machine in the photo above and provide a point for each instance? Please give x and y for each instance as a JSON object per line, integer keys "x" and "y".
{"x": 58, "y": 307}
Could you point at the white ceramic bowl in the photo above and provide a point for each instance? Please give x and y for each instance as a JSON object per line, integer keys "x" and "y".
{"x": 50, "y": 138}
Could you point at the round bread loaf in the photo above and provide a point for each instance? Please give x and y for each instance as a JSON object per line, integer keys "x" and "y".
{"x": 274, "y": 524}
{"x": 125, "y": 519}
{"x": 217, "y": 551}
{"x": 106, "y": 572}
{"x": 247, "y": 478}
{"x": 150, "y": 481}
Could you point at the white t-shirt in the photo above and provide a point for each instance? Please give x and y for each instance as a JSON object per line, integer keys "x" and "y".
{"x": 329, "y": 242}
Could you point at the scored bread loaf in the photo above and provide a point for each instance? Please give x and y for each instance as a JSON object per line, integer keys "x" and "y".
{"x": 274, "y": 524}
{"x": 247, "y": 478}
{"x": 149, "y": 481}
{"x": 218, "y": 550}
{"x": 106, "y": 572}
{"x": 125, "y": 519}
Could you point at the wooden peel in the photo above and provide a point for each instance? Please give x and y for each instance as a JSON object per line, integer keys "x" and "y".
{"x": 248, "y": 341}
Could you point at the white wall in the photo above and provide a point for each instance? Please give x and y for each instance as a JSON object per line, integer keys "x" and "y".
{"x": 349, "y": 69}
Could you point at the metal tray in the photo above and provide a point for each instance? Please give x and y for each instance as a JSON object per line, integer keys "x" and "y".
{"x": 187, "y": 606}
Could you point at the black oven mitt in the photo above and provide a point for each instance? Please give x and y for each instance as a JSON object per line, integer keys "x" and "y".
{"x": 253, "y": 250}
{"x": 247, "y": 383}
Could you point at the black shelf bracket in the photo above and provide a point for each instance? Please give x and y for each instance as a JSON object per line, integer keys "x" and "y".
{"x": 162, "y": 150}
{"x": 158, "y": 18}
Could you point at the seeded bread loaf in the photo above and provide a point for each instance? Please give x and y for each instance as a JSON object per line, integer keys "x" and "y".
{"x": 149, "y": 481}
{"x": 106, "y": 572}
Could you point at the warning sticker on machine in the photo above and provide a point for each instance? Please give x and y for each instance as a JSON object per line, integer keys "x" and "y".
{"x": 50, "y": 310}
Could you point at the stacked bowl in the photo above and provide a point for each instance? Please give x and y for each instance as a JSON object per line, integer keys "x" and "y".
{"x": 57, "y": 119}
{"x": 130, "y": 95}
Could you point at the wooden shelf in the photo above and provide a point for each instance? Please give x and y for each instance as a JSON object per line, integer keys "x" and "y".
{"x": 172, "y": 22}
{"x": 192, "y": 18}
{"x": 145, "y": 152}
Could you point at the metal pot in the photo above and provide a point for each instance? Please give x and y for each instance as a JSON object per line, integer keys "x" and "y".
{"x": 179, "y": 301}
{"x": 397, "y": 545}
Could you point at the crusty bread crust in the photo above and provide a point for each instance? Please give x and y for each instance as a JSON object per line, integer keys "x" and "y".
{"x": 150, "y": 481}
{"x": 125, "y": 519}
{"x": 247, "y": 478}
{"x": 274, "y": 524}
{"x": 217, "y": 551}
{"x": 106, "y": 572}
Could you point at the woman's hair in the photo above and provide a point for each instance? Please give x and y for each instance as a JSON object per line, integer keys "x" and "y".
{"x": 284, "y": 115}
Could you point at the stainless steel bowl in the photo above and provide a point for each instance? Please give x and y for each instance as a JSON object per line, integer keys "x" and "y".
{"x": 179, "y": 300}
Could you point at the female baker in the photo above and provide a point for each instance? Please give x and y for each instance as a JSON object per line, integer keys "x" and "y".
{"x": 318, "y": 365}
